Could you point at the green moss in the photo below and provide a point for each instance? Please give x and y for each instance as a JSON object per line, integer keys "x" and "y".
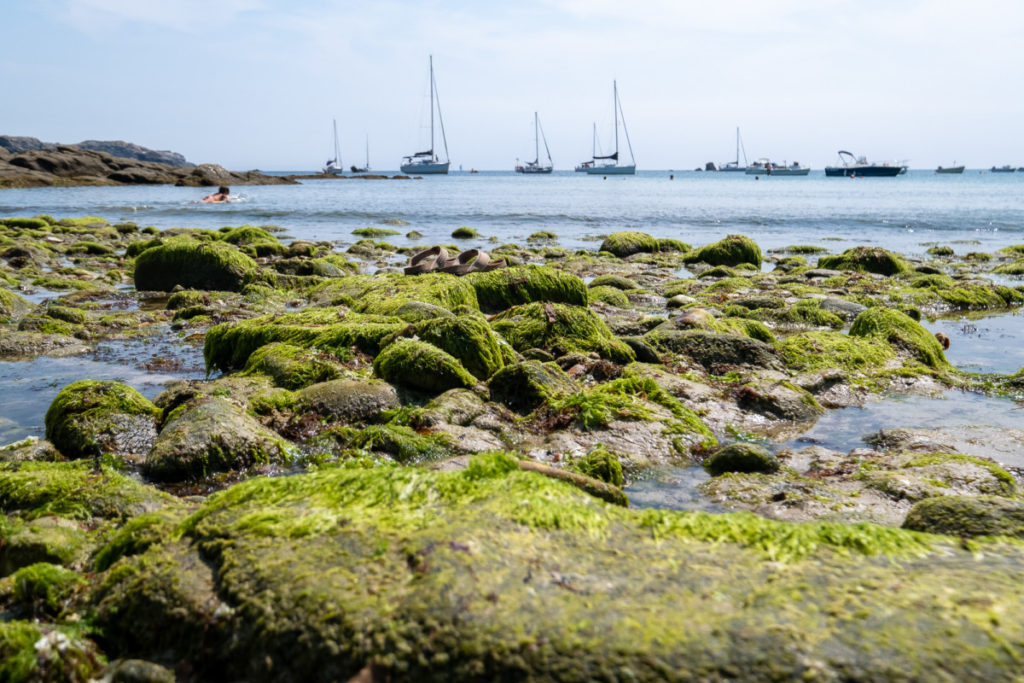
{"x": 291, "y": 367}
{"x": 468, "y": 339}
{"x": 46, "y": 539}
{"x": 967, "y": 516}
{"x": 45, "y": 588}
{"x": 374, "y": 232}
{"x": 803, "y": 249}
{"x": 667, "y": 244}
{"x": 940, "y": 251}
{"x": 741, "y": 457}
{"x": 500, "y": 289}
{"x": 421, "y": 366}
{"x": 25, "y": 223}
{"x": 560, "y": 329}
{"x": 137, "y": 534}
{"x": 247, "y": 234}
{"x": 1015, "y": 268}
{"x": 1006, "y": 481}
{"x": 624, "y": 244}
{"x": 382, "y": 294}
{"x": 66, "y": 313}
{"x": 980, "y": 297}
{"x": 609, "y": 295}
{"x": 187, "y": 298}
{"x": 525, "y": 386}
{"x": 542, "y": 236}
{"x": 464, "y": 233}
{"x": 12, "y": 305}
{"x": 91, "y": 248}
{"x": 139, "y": 246}
{"x": 934, "y": 281}
{"x": 866, "y": 259}
{"x": 901, "y": 331}
{"x": 616, "y": 281}
{"x": 402, "y": 443}
{"x": 193, "y": 265}
{"x": 34, "y": 652}
{"x": 600, "y": 464}
{"x": 812, "y": 351}
{"x": 730, "y": 251}
{"x": 84, "y": 418}
{"x": 59, "y": 283}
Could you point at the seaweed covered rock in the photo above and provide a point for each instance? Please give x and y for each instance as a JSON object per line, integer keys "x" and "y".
{"x": 628, "y": 243}
{"x": 616, "y": 281}
{"x": 213, "y": 436}
{"x": 600, "y": 464}
{"x": 467, "y": 338}
{"x": 193, "y": 265}
{"x": 500, "y": 289}
{"x": 50, "y": 539}
{"x": 12, "y": 306}
{"x": 560, "y": 329}
{"x": 717, "y": 353}
{"x": 44, "y": 589}
{"x": 387, "y": 293}
{"x": 291, "y": 367}
{"x": 866, "y": 260}
{"x": 525, "y": 386}
{"x": 779, "y": 400}
{"x": 902, "y": 332}
{"x": 31, "y": 651}
{"x": 349, "y": 400}
{"x": 91, "y": 417}
{"x": 729, "y": 251}
{"x": 418, "y": 365}
{"x": 741, "y": 457}
{"x": 967, "y": 516}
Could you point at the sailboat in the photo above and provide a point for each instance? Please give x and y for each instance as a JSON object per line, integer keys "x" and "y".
{"x": 427, "y": 161}
{"x": 734, "y": 166}
{"x": 364, "y": 169}
{"x": 334, "y": 166}
{"x": 611, "y": 165}
{"x": 534, "y": 166}
{"x": 584, "y": 165}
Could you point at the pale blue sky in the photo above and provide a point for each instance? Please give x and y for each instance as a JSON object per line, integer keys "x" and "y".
{"x": 255, "y": 83}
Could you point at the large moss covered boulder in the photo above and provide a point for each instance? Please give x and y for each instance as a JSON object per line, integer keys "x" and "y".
{"x": 193, "y": 265}
{"x": 968, "y": 516}
{"x": 389, "y": 293}
{"x": 349, "y": 400}
{"x": 628, "y": 243}
{"x": 52, "y": 539}
{"x": 866, "y": 260}
{"x": 500, "y": 289}
{"x": 902, "y": 332}
{"x": 292, "y": 367}
{"x": 418, "y": 365}
{"x": 525, "y": 386}
{"x": 560, "y": 329}
{"x": 729, "y": 251}
{"x": 91, "y": 417}
{"x": 213, "y": 436}
{"x": 467, "y": 338}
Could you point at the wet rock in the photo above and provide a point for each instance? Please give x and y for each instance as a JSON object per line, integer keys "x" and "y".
{"x": 90, "y": 418}
{"x": 967, "y": 517}
{"x": 718, "y": 353}
{"x": 26, "y": 345}
{"x": 600, "y": 464}
{"x": 56, "y": 540}
{"x": 137, "y": 671}
{"x": 733, "y": 250}
{"x": 821, "y": 273}
{"x": 467, "y": 338}
{"x": 193, "y": 265}
{"x": 350, "y": 400}
{"x": 624, "y": 244}
{"x": 527, "y": 385}
{"x": 866, "y": 259}
{"x": 12, "y": 306}
{"x": 421, "y": 366}
{"x": 28, "y": 450}
{"x": 843, "y": 308}
{"x": 292, "y": 367}
{"x": 503, "y": 288}
{"x": 779, "y": 400}
{"x": 644, "y": 352}
{"x": 741, "y": 457}
{"x": 900, "y": 331}
{"x": 213, "y": 436}
{"x": 560, "y": 329}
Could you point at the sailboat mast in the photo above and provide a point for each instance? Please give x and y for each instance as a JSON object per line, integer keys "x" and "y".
{"x": 594, "y": 142}
{"x": 737, "y": 145}
{"x": 536, "y": 140}
{"x": 337, "y": 148}
{"x": 432, "y": 105}
{"x": 615, "y": 107}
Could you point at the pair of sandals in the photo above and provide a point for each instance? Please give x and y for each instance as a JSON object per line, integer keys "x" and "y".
{"x": 436, "y": 259}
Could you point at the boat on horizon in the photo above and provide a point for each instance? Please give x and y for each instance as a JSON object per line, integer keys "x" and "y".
{"x": 534, "y": 167}
{"x": 734, "y": 166}
{"x": 427, "y": 161}
{"x": 950, "y": 169}
{"x": 765, "y": 166}
{"x": 854, "y": 167}
{"x": 366, "y": 168}
{"x": 1002, "y": 169}
{"x": 610, "y": 164}
{"x": 333, "y": 166}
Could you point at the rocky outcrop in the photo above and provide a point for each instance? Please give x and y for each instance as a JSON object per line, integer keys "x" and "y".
{"x": 118, "y": 148}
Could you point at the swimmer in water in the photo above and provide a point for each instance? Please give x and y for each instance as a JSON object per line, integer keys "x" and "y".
{"x": 221, "y": 195}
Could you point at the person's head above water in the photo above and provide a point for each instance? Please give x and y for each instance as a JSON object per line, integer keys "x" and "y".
{"x": 223, "y": 189}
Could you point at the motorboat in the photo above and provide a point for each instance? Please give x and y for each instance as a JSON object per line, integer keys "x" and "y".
{"x": 1002, "y": 169}
{"x": 428, "y": 161}
{"x": 764, "y": 166}
{"x": 858, "y": 167}
{"x": 954, "y": 169}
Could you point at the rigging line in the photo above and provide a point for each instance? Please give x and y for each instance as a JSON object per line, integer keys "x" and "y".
{"x": 626, "y": 131}
{"x": 437, "y": 96}
{"x": 544, "y": 138}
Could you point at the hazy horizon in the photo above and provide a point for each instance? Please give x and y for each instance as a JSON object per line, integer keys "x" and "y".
{"x": 256, "y": 83}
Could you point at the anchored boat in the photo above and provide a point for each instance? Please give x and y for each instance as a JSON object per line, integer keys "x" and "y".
{"x": 427, "y": 161}
{"x": 534, "y": 166}
{"x": 609, "y": 165}
{"x": 854, "y": 167}
{"x": 333, "y": 166}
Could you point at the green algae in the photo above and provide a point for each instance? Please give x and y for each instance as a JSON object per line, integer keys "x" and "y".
{"x": 967, "y": 516}
{"x": 12, "y": 305}
{"x": 867, "y": 260}
{"x": 560, "y": 329}
{"x": 822, "y": 350}
{"x": 900, "y": 331}
{"x": 193, "y": 265}
{"x": 464, "y": 233}
{"x": 600, "y": 464}
{"x": 609, "y": 295}
{"x": 422, "y": 366}
{"x": 616, "y": 281}
{"x": 402, "y": 443}
{"x": 291, "y": 367}
{"x": 525, "y": 386}
{"x": 85, "y": 417}
{"x": 468, "y": 339}
{"x": 45, "y": 588}
{"x": 37, "y": 652}
{"x": 500, "y": 289}
{"x": 45, "y": 539}
{"x": 624, "y": 244}
{"x": 732, "y": 250}
{"x": 741, "y": 457}
{"x": 374, "y": 232}
{"x": 383, "y": 293}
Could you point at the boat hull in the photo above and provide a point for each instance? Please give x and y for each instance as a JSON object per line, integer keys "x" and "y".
{"x": 612, "y": 170}
{"x": 534, "y": 171}
{"x": 1003, "y": 169}
{"x": 426, "y": 168}
{"x": 950, "y": 170}
{"x": 863, "y": 171}
{"x": 732, "y": 169}
{"x": 779, "y": 171}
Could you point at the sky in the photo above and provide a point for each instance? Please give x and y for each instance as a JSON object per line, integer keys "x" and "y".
{"x": 256, "y": 83}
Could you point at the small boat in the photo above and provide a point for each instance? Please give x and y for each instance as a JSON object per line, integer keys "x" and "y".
{"x": 1002, "y": 169}
{"x": 534, "y": 167}
{"x": 334, "y": 166}
{"x": 853, "y": 167}
{"x": 366, "y": 168}
{"x": 734, "y": 166}
{"x": 609, "y": 165}
{"x": 950, "y": 169}
{"x": 427, "y": 161}
{"x": 764, "y": 166}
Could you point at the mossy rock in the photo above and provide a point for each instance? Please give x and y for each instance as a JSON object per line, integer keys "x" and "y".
{"x": 138, "y": 534}
{"x": 823, "y": 350}
{"x": 31, "y": 651}
{"x": 667, "y": 244}
{"x": 732, "y": 250}
{"x": 600, "y": 464}
{"x": 25, "y": 223}
{"x": 213, "y": 436}
{"x": 900, "y": 331}
{"x": 187, "y": 298}
{"x": 468, "y": 339}
{"x": 402, "y": 443}
{"x": 527, "y": 385}
{"x": 49, "y": 538}
{"x": 385, "y": 293}
{"x": 350, "y": 400}
{"x": 90, "y": 417}
{"x": 45, "y": 589}
{"x": 291, "y": 367}
{"x": 464, "y": 233}
{"x": 616, "y": 281}
{"x": 624, "y": 244}
{"x": 375, "y": 232}
{"x": 248, "y": 234}
{"x": 12, "y": 306}
{"x": 866, "y": 260}
{"x": 609, "y": 295}
{"x": 193, "y": 265}
{"x": 139, "y": 246}
{"x": 967, "y": 516}
{"x": 418, "y": 365}
{"x": 741, "y": 457}
{"x": 716, "y": 352}
{"x": 500, "y": 289}
{"x": 560, "y": 329}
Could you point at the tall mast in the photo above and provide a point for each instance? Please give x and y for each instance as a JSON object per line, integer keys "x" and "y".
{"x": 737, "y": 145}
{"x": 615, "y": 107}
{"x": 594, "y": 142}
{"x": 337, "y": 149}
{"x": 536, "y": 140}
{"x": 432, "y": 105}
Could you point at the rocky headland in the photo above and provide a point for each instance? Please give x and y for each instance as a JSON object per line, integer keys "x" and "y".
{"x": 423, "y": 477}
{"x": 27, "y": 162}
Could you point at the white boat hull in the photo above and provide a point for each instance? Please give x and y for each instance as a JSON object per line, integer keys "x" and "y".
{"x": 612, "y": 170}
{"x": 426, "y": 168}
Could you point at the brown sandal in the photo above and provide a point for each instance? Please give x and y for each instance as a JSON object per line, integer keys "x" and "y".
{"x": 467, "y": 262}
{"x": 423, "y": 263}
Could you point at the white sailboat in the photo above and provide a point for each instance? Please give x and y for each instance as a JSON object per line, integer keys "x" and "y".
{"x": 428, "y": 161}
{"x": 334, "y": 166}
{"x": 610, "y": 164}
{"x": 534, "y": 166}
{"x": 734, "y": 166}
